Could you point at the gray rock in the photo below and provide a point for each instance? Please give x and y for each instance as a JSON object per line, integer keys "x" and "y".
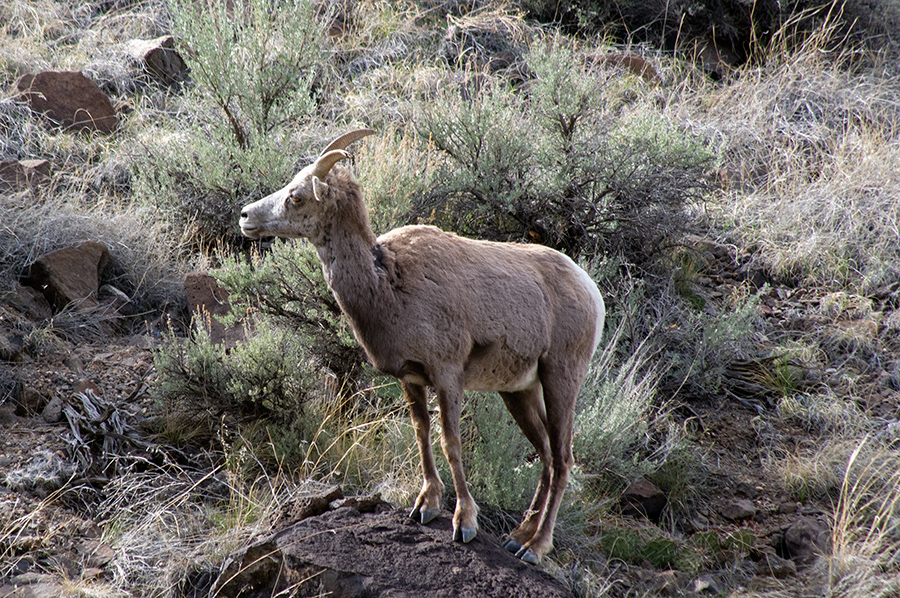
{"x": 805, "y": 539}
{"x": 739, "y": 509}
{"x": 53, "y": 412}
{"x": 159, "y": 58}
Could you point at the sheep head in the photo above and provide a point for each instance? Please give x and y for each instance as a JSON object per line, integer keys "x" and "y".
{"x": 298, "y": 210}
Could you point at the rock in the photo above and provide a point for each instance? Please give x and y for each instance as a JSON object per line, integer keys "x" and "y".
{"x": 11, "y": 346}
{"x": 32, "y": 585}
{"x": 668, "y": 583}
{"x": 117, "y": 300}
{"x": 16, "y": 175}
{"x": 31, "y": 402}
{"x": 68, "y": 99}
{"x": 309, "y": 506}
{"x": 88, "y": 387}
{"x": 348, "y": 554}
{"x": 739, "y": 509}
{"x": 788, "y": 508}
{"x": 159, "y": 58}
{"x": 53, "y": 412}
{"x": 97, "y": 554}
{"x": 91, "y": 573}
{"x": 643, "y": 499}
{"x": 30, "y": 302}
{"x": 805, "y": 539}
{"x": 775, "y": 566}
{"x": 632, "y": 63}
{"x": 69, "y": 275}
{"x": 208, "y": 301}
{"x": 706, "y": 585}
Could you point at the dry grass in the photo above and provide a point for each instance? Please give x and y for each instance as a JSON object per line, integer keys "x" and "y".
{"x": 809, "y": 163}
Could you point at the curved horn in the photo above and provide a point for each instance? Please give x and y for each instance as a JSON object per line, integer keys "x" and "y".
{"x": 323, "y": 164}
{"x": 346, "y": 139}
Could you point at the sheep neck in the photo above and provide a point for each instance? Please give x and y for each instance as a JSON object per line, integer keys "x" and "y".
{"x": 353, "y": 271}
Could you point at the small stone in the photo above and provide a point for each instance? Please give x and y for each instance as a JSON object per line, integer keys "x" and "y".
{"x": 739, "y": 509}
{"x": 159, "y": 58}
{"x": 669, "y": 583}
{"x": 91, "y": 573}
{"x": 53, "y": 412}
{"x": 705, "y": 584}
{"x": 788, "y": 508}
{"x": 98, "y": 554}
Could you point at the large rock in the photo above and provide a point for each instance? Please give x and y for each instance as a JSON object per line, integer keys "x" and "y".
{"x": 69, "y": 99}
{"x": 159, "y": 58}
{"x": 643, "y": 499}
{"x": 805, "y": 539}
{"x": 209, "y": 302}
{"x": 69, "y": 275}
{"x": 23, "y": 174}
{"x": 346, "y": 553}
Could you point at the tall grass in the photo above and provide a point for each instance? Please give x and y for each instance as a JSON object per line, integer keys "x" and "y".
{"x": 865, "y": 559}
{"x": 809, "y": 163}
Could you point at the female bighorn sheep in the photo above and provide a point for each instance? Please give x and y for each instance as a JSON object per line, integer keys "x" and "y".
{"x": 434, "y": 309}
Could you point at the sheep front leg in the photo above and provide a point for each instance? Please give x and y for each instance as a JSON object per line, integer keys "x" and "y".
{"x": 465, "y": 517}
{"x": 428, "y": 503}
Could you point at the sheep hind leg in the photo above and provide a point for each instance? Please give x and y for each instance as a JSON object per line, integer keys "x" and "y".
{"x": 527, "y": 409}
{"x": 428, "y": 503}
{"x": 560, "y": 395}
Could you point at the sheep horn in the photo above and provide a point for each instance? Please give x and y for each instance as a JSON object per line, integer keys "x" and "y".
{"x": 323, "y": 164}
{"x": 346, "y": 139}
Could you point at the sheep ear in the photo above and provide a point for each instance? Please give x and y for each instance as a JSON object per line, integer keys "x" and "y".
{"x": 319, "y": 188}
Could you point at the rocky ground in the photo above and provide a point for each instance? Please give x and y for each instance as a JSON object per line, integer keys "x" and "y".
{"x": 72, "y": 397}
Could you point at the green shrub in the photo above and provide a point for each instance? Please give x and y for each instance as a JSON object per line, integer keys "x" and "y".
{"x": 286, "y": 287}
{"x": 199, "y": 383}
{"x": 650, "y": 545}
{"x": 252, "y": 68}
{"x": 254, "y": 59}
{"x": 555, "y": 163}
{"x": 199, "y": 181}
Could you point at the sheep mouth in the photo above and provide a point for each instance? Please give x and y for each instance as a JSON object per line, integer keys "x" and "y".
{"x": 250, "y": 231}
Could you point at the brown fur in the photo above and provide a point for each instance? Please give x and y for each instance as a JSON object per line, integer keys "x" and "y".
{"x": 434, "y": 309}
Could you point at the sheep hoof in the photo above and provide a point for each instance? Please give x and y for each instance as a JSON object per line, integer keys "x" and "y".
{"x": 464, "y": 534}
{"x": 424, "y": 515}
{"x": 529, "y": 557}
{"x": 512, "y": 546}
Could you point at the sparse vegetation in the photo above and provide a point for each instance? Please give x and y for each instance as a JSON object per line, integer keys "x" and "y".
{"x": 744, "y": 231}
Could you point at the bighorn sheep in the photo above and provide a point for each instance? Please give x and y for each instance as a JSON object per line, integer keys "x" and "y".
{"x": 434, "y": 309}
